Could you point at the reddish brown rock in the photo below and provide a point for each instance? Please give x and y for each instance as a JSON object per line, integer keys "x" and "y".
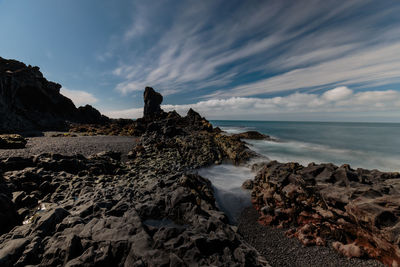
{"x": 359, "y": 209}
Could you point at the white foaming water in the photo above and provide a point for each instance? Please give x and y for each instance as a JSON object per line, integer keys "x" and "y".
{"x": 227, "y": 181}
{"x": 362, "y": 145}
{"x": 368, "y": 151}
{"x": 304, "y": 153}
{"x": 236, "y": 130}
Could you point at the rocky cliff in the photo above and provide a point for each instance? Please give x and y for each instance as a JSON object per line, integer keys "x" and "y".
{"x": 30, "y": 102}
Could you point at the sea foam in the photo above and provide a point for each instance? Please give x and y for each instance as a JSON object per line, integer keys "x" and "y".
{"x": 227, "y": 181}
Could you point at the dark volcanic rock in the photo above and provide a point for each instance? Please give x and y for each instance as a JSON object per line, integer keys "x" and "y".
{"x": 122, "y": 127}
{"x": 254, "y": 135}
{"x": 150, "y": 211}
{"x": 88, "y": 114}
{"x": 30, "y": 102}
{"x": 359, "y": 209}
{"x": 107, "y": 213}
{"x": 12, "y": 141}
{"x": 152, "y": 102}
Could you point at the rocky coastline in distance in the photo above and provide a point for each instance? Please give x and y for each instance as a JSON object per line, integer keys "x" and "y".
{"x": 152, "y": 209}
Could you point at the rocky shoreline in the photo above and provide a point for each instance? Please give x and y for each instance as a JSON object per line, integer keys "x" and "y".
{"x": 280, "y": 250}
{"x": 144, "y": 206}
{"x": 357, "y": 210}
{"x": 149, "y": 211}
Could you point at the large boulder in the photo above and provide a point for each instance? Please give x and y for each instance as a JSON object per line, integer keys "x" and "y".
{"x": 28, "y": 101}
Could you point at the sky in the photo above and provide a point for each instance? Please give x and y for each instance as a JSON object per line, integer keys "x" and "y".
{"x": 311, "y": 60}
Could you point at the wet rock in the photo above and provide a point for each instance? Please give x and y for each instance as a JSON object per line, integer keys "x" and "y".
{"x": 253, "y": 135}
{"x": 248, "y": 184}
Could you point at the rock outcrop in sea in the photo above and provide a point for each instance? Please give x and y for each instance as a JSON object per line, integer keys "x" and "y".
{"x": 359, "y": 210}
{"x": 152, "y": 210}
{"x": 29, "y": 102}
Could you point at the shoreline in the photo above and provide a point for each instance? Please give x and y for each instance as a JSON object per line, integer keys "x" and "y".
{"x": 274, "y": 247}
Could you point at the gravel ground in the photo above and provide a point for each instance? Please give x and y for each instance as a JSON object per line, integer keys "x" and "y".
{"x": 280, "y": 250}
{"x": 85, "y": 145}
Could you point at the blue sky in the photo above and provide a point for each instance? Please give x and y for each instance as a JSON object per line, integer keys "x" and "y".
{"x": 265, "y": 60}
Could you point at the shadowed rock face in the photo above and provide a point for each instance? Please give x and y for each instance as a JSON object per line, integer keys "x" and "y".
{"x": 359, "y": 209}
{"x": 152, "y": 102}
{"x": 30, "y": 102}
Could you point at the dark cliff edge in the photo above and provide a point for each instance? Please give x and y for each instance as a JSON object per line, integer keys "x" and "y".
{"x": 29, "y": 102}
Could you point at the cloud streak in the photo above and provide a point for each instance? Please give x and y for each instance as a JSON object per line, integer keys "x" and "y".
{"x": 264, "y": 47}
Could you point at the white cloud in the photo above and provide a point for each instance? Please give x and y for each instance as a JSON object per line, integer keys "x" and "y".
{"x": 337, "y": 94}
{"x": 373, "y": 64}
{"x": 127, "y": 113}
{"x": 80, "y": 98}
{"x": 301, "y": 45}
{"x": 337, "y": 100}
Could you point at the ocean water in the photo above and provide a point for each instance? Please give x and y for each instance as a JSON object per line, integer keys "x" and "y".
{"x": 364, "y": 145}
{"x": 227, "y": 181}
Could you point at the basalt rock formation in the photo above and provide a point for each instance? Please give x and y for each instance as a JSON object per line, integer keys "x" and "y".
{"x": 30, "y": 102}
{"x": 191, "y": 139}
{"x": 152, "y": 102}
{"x": 76, "y": 211}
{"x": 152, "y": 210}
{"x": 357, "y": 209}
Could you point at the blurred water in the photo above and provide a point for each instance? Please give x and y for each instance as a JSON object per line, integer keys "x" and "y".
{"x": 227, "y": 180}
{"x": 366, "y": 145}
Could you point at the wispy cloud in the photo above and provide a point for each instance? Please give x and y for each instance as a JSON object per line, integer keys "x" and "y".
{"x": 337, "y": 100}
{"x": 374, "y": 64}
{"x": 277, "y": 45}
{"x": 79, "y": 98}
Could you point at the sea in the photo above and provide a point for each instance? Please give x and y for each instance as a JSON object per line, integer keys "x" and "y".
{"x": 362, "y": 145}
